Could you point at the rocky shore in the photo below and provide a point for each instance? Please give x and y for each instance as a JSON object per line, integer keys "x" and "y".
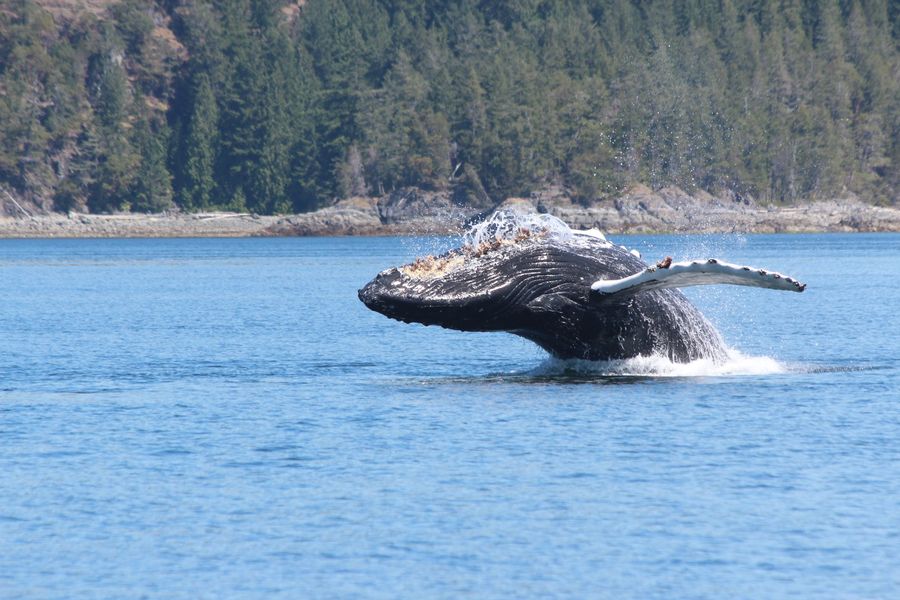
{"x": 415, "y": 212}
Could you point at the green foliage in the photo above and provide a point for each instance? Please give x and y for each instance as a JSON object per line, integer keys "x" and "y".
{"x": 113, "y": 177}
{"x": 199, "y": 184}
{"x": 109, "y": 88}
{"x": 246, "y": 105}
{"x": 151, "y": 190}
{"x": 134, "y": 21}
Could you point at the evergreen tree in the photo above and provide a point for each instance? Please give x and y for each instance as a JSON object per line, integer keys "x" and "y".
{"x": 199, "y": 168}
{"x": 115, "y": 170}
{"x": 109, "y": 88}
{"x": 307, "y": 185}
{"x": 333, "y": 41}
{"x": 151, "y": 190}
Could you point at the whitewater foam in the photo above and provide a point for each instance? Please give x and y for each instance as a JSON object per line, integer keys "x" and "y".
{"x": 736, "y": 364}
{"x": 506, "y": 224}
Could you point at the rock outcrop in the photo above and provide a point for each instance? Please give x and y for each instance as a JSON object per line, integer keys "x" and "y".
{"x": 403, "y": 212}
{"x": 672, "y": 210}
{"x": 416, "y": 212}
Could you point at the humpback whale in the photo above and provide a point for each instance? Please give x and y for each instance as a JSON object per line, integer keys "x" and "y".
{"x": 573, "y": 293}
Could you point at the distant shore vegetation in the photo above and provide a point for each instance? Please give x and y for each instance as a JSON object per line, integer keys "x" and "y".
{"x": 273, "y": 106}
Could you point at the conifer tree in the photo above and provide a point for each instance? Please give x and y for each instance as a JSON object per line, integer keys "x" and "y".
{"x": 199, "y": 168}
{"x": 151, "y": 190}
{"x": 334, "y": 42}
{"x": 307, "y": 182}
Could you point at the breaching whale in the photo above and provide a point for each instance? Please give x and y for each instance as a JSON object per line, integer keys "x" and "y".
{"x": 573, "y": 293}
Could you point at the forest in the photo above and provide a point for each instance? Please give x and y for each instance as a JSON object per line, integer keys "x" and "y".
{"x": 271, "y": 106}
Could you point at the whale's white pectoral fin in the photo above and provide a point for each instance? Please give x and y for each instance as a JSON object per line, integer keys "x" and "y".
{"x": 684, "y": 274}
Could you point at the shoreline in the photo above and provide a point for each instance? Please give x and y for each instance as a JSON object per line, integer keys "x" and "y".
{"x": 412, "y": 212}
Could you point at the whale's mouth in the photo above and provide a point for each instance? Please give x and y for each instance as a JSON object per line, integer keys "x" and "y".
{"x": 389, "y": 294}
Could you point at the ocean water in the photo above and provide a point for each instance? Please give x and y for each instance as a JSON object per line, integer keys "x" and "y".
{"x": 224, "y": 419}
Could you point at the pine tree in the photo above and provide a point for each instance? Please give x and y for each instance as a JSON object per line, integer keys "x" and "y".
{"x": 352, "y": 176}
{"x": 116, "y": 156}
{"x": 334, "y": 42}
{"x": 109, "y": 88}
{"x": 115, "y": 171}
{"x": 151, "y": 190}
{"x": 242, "y": 91}
{"x": 199, "y": 168}
{"x": 470, "y": 128}
{"x": 307, "y": 185}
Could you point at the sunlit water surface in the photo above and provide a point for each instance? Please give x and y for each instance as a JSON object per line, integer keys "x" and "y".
{"x": 223, "y": 418}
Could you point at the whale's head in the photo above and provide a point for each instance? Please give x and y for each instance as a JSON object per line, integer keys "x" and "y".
{"x": 463, "y": 289}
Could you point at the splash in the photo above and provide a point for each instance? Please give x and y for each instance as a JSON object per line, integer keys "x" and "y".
{"x": 736, "y": 364}
{"x": 503, "y": 227}
{"x": 507, "y": 225}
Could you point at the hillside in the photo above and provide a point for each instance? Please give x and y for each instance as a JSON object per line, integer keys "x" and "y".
{"x": 275, "y": 107}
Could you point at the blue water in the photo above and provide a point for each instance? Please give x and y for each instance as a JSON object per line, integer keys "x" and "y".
{"x": 224, "y": 419}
